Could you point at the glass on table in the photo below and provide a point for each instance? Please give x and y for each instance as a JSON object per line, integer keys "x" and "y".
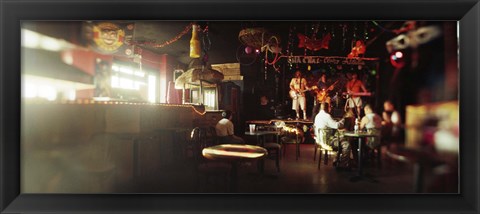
{"x": 252, "y": 127}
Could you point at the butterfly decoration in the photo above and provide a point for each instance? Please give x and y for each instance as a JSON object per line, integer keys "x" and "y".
{"x": 314, "y": 44}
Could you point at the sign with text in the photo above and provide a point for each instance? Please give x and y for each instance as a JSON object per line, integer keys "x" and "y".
{"x": 334, "y": 60}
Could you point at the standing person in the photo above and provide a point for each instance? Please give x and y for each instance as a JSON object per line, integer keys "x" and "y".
{"x": 372, "y": 122}
{"x": 355, "y": 86}
{"x": 324, "y": 120}
{"x": 298, "y": 86}
{"x": 224, "y": 130}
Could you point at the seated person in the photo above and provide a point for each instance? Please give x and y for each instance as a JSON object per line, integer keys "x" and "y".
{"x": 265, "y": 109}
{"x": 324, "y": 120}
{"x": 224, "y": 130}
{"x": 372, "y": 123}
{"x": 391, "y": 121}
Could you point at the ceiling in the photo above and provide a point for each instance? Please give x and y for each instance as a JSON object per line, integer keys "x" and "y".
{"x": 224, "y": 36}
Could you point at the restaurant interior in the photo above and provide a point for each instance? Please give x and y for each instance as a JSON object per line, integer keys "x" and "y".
{"x": 239, "y": 106}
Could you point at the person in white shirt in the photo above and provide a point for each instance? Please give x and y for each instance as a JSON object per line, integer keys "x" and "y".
{"x": 324, "y": 120}
{"x": 298, "y": 86}
{"x": 372, "y": 123}
{"x": 225, "y": 130}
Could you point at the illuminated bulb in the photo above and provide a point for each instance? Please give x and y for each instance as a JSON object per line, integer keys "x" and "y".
{"x": 399, "y": 54}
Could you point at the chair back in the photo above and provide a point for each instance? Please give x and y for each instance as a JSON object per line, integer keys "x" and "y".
{"x": 324, "y": 134}
{"x": 211, "y": 135}
{"x": 377, "y": 139}
{"x": 197, "y": 140}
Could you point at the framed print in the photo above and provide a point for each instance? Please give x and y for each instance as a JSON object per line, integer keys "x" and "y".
{"x": 238, "y": 107}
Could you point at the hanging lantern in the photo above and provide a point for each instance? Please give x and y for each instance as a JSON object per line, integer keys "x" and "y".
{"x": 195, "y": 49}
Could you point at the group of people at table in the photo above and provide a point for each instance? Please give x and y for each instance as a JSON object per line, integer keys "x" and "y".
{"x": 371, "y": 122}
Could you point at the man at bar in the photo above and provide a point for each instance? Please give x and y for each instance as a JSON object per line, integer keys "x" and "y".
{"x": 324, "y": 120}
{"x": 224, "y": 130}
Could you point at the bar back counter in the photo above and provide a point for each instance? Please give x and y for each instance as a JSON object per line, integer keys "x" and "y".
{"x": 98, "y": 147}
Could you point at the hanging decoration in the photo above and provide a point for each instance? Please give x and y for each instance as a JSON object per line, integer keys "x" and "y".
{"x": 206, "y": 44}
{"x": 154, "y": 44}
{"x": 407, "y": 26}
{"x": 312, "y": 44}
{"x": 289, "y": 45}
{"x": 358, "y": 49}
{"x": 365, "y": 31}
{"x": 246, "y": 55}
{"x": 195, "y": 45}
{"x": 344, "y": 31}
{"x": 254, "y": 37}
{"x": 273, "y": 46}
{"x": 413, "y": 38}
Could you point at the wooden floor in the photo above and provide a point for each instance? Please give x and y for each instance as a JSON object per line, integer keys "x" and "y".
{"x": 296, "y": 176}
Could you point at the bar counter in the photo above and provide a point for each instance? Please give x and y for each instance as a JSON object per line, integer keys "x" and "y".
{"x": 84, "y": 143}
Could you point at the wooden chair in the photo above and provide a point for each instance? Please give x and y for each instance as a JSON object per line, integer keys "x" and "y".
{"x": 274, "y": 148}
{"x": 292, "y": 138}
{"x": 211, "y": 136}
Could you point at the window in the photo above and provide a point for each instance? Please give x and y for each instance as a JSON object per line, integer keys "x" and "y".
{"x": 131, "y": 82}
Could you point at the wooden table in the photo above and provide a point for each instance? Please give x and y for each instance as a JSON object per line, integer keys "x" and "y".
{"x": 259, "y": 134}
{"x": 234, "y": 154}
{"x": 359, "y": 135}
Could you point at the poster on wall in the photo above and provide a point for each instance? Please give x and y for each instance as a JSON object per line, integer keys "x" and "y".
{"x": 110, "y": 37}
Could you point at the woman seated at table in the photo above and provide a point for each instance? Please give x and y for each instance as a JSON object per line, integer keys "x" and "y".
{"x": 224, "y": 130}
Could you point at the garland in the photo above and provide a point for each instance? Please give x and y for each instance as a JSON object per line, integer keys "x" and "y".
{"x": 153, "y": 44}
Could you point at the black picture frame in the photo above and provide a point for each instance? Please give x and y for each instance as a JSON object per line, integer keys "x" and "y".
{"x": 467, "y": 12}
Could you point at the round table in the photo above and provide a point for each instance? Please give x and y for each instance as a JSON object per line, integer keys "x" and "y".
{"x": 262, "y": 133}
{"x": 359, "y": 135}
{"x": 234, "y": 153}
